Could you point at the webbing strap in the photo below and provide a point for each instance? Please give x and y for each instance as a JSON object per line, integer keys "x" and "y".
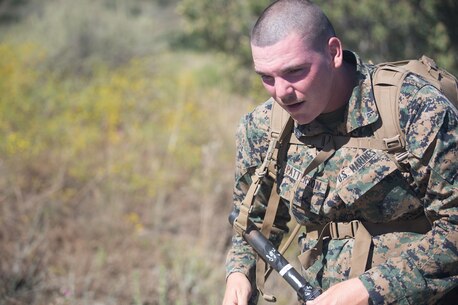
{"x": 240, "y": 223}
{"x": 261, "y": 273}
{"x": 387, "y": 144}
{"x": 386, "y": 92}
{"x": 262, "y": 270}
{"x": 360, "y": 254}
{"x": 340, "y": 230}
{"x": 281, "y": 129}
{"x": 362, "y": 232}
{"x": 278, "y": 119}
{"x": 261, "y": 277}
{"x": 271, "y": 211}
{"x": 283, "y": 125}
{"x": 307, "y": 258}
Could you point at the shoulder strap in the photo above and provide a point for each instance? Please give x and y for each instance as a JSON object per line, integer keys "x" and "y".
{"x": 281, "y": 127}
{"x": 386, "y": 83}
{"x": 278, "y": 119}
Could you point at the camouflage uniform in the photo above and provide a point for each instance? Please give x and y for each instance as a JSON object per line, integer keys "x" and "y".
{"x": 365, "y": 184}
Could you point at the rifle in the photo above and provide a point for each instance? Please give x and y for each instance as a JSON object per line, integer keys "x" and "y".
{"x": 268, "y": 253}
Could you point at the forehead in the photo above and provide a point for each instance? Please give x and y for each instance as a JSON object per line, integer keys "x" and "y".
{"x": 288, "y": 52}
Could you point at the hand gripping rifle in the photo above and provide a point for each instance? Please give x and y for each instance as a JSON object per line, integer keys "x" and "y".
{"x": 266, "y": 250}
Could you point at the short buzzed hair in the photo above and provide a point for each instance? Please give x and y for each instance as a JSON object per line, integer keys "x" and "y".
{"x": 284, "y": 17}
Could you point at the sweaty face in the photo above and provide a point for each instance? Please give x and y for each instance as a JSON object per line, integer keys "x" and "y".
{"x": 299, "y": 78}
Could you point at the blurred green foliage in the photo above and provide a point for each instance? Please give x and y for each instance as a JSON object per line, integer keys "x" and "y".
{"x": 80, "y": 34}
{"x": 378, "y": 30}
{"x": 220, "y": 25}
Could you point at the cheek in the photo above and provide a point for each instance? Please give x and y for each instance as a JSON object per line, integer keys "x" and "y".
{"x": 269, "y": 89}
{"x": 312, "y": 84}
{"x": 303, "y": 87}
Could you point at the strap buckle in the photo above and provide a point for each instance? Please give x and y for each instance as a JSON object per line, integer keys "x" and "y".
{"x": 401, "y": 156}
{"x": 393, "y": 143}
{"x": 343, "y": 230}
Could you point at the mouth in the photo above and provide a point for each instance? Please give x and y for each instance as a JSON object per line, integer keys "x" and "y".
{"x": 291, "y": 108}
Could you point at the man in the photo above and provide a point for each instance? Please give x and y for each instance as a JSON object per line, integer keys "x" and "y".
{"x": 327, "y": 90}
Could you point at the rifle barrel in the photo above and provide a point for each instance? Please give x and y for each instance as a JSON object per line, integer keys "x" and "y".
{"x": 267, "y": 251}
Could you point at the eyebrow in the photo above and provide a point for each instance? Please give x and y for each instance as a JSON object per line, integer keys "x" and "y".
{"x": 295, "y": 67}
{"x": 286, "y": 69}
{"x": 260, "y": 73}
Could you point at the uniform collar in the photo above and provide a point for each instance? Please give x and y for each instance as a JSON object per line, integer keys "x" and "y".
{"x": 362, "y": 110}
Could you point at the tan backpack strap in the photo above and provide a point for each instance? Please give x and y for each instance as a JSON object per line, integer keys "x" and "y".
{"x": 341, "y": 230}
{"x": 267, "y": 167}
{"x": 271, "y": 211}
{"x": 387, "y": 144}
{"x": 307, "y": 258}
{"x": 240, "y": 223}
{"x": 262, "y": 270}
{"x": 361, "y": 249}
{"x": 387, "y": 83}
{"x": 261, "y": 277}
{"x": 362, "y": 232}
{"x": 281, "y": 129}
{"x": 279, "y": 117}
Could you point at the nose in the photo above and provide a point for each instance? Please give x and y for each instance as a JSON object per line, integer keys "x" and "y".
{"x": 283, "y": 89}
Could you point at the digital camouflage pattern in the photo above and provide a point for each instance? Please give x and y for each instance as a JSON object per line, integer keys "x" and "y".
{"x": 365, "y": 184}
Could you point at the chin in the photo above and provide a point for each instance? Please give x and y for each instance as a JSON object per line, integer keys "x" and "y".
{"x": 302, "y": 120}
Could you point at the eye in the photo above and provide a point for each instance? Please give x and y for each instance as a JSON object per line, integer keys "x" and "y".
{"x": 267, "y": 79}
{"x": 295, "y": 72}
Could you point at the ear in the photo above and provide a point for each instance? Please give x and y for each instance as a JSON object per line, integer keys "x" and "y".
{"x": 335, "y": 51}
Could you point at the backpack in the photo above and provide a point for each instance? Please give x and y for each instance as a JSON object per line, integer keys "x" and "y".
{"x": 388, "y": 136}
{"x": 387, "y": 81}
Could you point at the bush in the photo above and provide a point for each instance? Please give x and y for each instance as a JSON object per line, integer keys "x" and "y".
{"x": 116, "y": 187}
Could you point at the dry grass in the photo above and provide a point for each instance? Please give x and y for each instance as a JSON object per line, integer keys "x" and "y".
{"x": 99, "y": 247}
{"x": 115, "y": 183}
{"x": 131, "y": 220}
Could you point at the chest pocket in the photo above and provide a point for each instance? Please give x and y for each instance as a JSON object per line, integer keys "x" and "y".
{"x": 308, "y": 198}
{"x": 373, "y": 187}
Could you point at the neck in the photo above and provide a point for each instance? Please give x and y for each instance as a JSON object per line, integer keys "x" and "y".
{"x": 345, "y": 81}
